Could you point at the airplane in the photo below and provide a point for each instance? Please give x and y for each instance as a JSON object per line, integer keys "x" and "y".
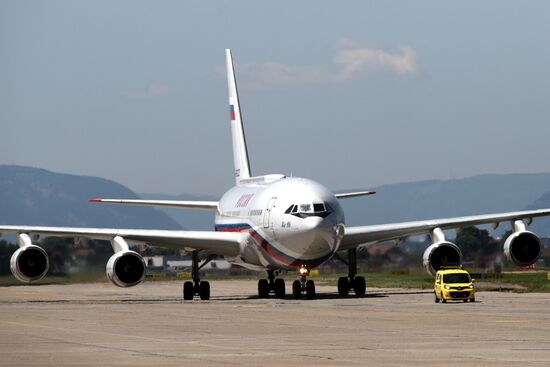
{"x": 269, "y": 223}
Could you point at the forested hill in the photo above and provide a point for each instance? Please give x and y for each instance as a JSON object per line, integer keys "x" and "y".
{"x": 490, "y": 193}
{"x": 33, "y": 196}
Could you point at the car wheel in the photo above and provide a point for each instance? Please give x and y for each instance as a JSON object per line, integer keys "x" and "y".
{"x": 435, "y": 298}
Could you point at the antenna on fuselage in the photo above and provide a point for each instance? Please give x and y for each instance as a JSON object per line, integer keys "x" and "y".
{"x": 240, "y": 152}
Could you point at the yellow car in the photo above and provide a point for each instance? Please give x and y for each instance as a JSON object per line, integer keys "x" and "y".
{"x": 453, "y": 284}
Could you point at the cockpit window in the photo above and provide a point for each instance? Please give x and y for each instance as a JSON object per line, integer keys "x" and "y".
{"x": 305, "y": 208}
{"x": 309, "y": 210}
{"x": 318, "y": 208}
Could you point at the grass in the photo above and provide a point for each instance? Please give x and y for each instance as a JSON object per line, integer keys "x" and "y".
{"x": 71, "y": 278}
{"x": 529, "y": 281}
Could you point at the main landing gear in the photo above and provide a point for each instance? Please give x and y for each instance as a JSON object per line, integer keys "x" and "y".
{"x": 301, "y": 286}
{"x": 277, "y": 286}
{"x": 357, "y": 283}
{"x": 196, "y": 287}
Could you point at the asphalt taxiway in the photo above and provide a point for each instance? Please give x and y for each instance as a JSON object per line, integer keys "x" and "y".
{"x": 100, "y": 324}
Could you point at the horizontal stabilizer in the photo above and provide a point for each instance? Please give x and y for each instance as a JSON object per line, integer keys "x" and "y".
{"x": 354, "y": 194}
{"x": 202, "y": 205}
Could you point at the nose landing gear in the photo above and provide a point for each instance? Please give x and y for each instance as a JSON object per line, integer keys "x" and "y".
{"x": 357, "y": 283}
{"x": 277, "y": 286}
{"x": 303, "y": 285}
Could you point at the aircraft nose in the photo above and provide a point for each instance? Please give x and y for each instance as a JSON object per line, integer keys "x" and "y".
{"x": 312, "y": 223}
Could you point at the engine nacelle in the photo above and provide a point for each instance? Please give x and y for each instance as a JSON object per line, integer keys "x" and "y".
{"x": 522, "y": 248}
{"x": 441, "y": 254}
{"x": 126, "y": 268}
{"x": 29, "y": 263}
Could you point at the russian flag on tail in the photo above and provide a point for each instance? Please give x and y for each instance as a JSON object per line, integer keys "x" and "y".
{"x": 232, "y": 112}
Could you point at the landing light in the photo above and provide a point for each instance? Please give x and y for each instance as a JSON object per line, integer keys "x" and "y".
{"x": 303, "y": 271}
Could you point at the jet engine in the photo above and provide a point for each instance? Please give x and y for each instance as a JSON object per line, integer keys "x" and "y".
{"x": 441, "y": 254}
{"x": 126, "y": 268}
{"x": 522, "y": 248}
{"x": 29, "y": 263}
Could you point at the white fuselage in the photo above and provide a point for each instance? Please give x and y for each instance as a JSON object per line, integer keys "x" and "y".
{"x": 289, "y": 222}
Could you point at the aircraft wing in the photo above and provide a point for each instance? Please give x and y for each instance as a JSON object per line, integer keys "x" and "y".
{"x": 355, "y": 236}
{"x": 219, "y": 243}
{"x": 347, "y": 195}
{"x": 204, "y": 205}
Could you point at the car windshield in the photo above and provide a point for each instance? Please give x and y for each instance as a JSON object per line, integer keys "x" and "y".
{"x": 456, "y": 278}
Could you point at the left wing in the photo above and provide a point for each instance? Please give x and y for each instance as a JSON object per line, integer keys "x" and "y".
{"x": 219, "y": 243}
{"x": 203, "y": 205}
{"x": 355, "y": 236}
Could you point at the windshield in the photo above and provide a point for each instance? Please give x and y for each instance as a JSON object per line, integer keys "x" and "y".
{"x": 456, "y": 278}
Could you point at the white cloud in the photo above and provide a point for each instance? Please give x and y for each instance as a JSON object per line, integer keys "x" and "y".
{"x": 351, "y": 62}
{"x": 152, "y": 91}
{"x": 357, "y": 61}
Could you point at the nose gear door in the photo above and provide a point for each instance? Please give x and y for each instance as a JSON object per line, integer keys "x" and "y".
{"x": 267, "y": 212}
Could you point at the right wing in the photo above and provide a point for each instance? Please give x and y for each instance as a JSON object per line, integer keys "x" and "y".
{"x": 203, "y": 205}
{"x": 355, "y": 236}
{"x": 347, "y": 195}
{"x": 218, "y": 243}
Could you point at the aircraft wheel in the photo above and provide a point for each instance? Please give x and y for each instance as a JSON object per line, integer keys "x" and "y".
{"x": 280, "y": 288}
{"x": 263, "y": 288}
{"x": 310, "y": 289}
{"x": 360, "y": 286}
{"x": 343, "y": 286}
{"x": 188, "y": 291}
{"x": 204, "y": 290}
{"x": 296, "y": 289}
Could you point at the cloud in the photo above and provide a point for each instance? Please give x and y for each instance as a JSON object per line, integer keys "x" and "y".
{"x": 350, "y": 62}
{"x": 357, "y": 61}
{"x": 152, "y": 91}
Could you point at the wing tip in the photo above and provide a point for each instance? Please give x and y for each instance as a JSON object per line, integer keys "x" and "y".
{"x": 95, "y": 200}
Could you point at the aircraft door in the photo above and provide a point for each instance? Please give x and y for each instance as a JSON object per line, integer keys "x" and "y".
{"x": 267, "y": 212}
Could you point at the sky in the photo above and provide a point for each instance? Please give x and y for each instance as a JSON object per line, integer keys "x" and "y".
{"x": 352, "y": 94}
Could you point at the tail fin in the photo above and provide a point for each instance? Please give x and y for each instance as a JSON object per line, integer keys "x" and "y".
{"x": 240, "y": 153}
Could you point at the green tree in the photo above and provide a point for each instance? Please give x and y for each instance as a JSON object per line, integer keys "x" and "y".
{"x": 60, "y": 252}
{"x": 476, "y": 244}
{"x": 6, "y": 250}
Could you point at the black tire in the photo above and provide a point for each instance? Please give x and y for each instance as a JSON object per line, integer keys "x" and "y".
{"x": 297, "y": 289}
{"x": 188, "y": 291}
{"x": 280, "y": 290}
{"x": 263, "y": 288}
{"x": 360, "y": 286}
{"x": 472, "y": 299}
{"x": 443, "y": 300}
{"x": 343, "y": 286}
{"x": 310, "y": 289}
{"x": 204, "y": 291}
{"x": 435, "y": 298}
